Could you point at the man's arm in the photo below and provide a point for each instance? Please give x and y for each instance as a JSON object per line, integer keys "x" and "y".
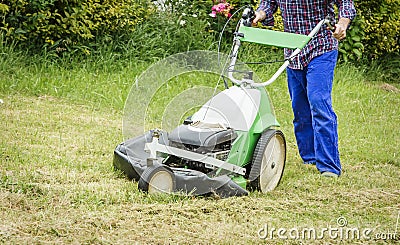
{"x": 260, "y": 16}
{"x": 265, "y": 12}
{"x": 341, "y": 28}
{"x": 347, "y": 12}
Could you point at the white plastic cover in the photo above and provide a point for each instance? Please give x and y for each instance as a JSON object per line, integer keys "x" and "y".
{"x": 235, "y": 107}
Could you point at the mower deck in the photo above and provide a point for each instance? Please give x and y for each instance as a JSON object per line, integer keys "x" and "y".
{"x": 131, "y": 158}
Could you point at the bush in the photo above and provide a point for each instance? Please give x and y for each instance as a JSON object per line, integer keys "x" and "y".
{"x": 64, "y": 26}
{"x": 352, "y": 48}
{"x": 164, "y": 34}
{"x": 381, "y": 26}
{"x": 215, "y": 19}
{"x": 221, "y": 17}
{"x": 68, "y": 23}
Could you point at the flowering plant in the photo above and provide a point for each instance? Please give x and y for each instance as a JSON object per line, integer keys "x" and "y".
{"x": 222, "y": 8}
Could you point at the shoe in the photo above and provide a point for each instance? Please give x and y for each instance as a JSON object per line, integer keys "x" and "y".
{"x": 329, "y": 174}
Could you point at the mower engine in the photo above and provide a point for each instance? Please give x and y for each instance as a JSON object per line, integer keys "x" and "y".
{"x": 215, "y": 141}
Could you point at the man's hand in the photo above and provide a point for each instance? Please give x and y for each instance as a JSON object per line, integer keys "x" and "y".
{"x": 340, "y": 28}
{"x": 260, "y": 16}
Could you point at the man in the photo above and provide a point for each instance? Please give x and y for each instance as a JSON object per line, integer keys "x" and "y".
{"x": 310, "y": 76}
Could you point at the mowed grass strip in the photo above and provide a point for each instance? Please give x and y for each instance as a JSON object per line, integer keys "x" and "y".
{"x": 58, "y": 185}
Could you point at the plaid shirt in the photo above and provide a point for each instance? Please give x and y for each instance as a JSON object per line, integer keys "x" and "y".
{"x": 301, "y": 16}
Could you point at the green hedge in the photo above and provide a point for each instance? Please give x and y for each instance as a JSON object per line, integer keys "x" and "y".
{"x": 381, "y": 25}
{"x": 66, "y": 23}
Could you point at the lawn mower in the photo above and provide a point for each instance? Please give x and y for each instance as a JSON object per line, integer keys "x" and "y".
{"x": 231, "y": 145}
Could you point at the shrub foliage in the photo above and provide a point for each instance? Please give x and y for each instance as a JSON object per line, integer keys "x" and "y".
{"x": 381, "y": 25}
{"x": 68, "y": 22}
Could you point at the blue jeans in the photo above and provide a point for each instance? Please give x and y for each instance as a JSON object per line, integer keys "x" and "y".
{"x": 315, "y": 122}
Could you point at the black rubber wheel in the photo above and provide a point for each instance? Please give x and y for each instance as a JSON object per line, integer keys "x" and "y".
{"x": 268, "y": 163}
{"x": 157, "y": 179}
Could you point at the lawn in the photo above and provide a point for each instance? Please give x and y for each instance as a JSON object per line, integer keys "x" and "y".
{"x": 59, "y": 127}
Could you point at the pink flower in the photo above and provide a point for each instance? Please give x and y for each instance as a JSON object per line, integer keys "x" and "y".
{"x": 221, "y": 8}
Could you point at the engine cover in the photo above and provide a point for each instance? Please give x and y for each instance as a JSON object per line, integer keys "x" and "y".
{"x": 204, "y": 138}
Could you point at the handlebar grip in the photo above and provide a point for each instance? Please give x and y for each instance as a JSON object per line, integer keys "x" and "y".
{"x": 330, "y": 21}
{"x": 248, "y": 16}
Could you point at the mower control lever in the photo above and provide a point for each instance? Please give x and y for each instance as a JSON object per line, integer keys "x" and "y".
{"x": 248, "y": 16}
{"x": 238, "y": 34}
{"x": 330, "y": 21}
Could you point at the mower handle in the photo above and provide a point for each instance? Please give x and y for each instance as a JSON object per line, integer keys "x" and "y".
{"x": 327, "y": 20}
{"x": 330, "y": 21}
{"x": 248, "y": 16}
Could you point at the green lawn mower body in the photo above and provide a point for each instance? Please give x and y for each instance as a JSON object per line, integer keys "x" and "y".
{"x": 229, "y": 146}
{"x": 227, "y": 130}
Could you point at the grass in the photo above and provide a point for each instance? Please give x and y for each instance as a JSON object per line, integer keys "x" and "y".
{"x": 60, "y": 123}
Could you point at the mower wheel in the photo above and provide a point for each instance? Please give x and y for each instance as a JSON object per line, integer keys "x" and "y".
{"x": 157, "y": 179}
{"x": 268, "y": 163}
